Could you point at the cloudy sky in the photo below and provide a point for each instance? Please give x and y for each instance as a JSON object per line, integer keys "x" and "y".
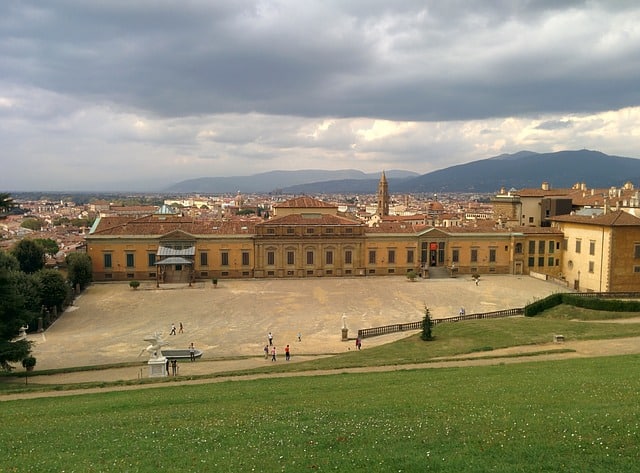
{"x": 118, "y": 94}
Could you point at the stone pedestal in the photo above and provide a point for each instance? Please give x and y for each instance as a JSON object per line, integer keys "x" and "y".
{"x": 158, "y": 367}
{"x": 345, "y": 334}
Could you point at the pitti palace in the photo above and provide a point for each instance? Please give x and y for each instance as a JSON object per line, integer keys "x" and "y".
{"x": 586, "y": 240}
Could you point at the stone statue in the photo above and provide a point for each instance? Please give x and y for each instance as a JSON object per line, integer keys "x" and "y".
{"x": 156, "y": 342}
{"x": 344, "y": 321}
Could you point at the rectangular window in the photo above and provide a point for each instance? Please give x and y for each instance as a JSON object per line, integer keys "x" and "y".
{"x": 224, "y": 258}
{"x": 108, "y": 263}
{"x": 204, "y": 259}
{"x": 291, "y": 258}
{"x": 550, "y": 261}
{"x": 474, "y": 255}
{"x": 348, "y": 230}
{"x": 309, "y": 257}
{"x": 592, "y": 247}
{"x": 271, "y": 231}
{"x": 636, "y": 269}
{"x": 348, "y": 257}
{"x": 290, "y": 231}
{"x": 151, "y": 257}
{"x": 578, "y": 245}
{"x": 455, "y": 256}
{"x": 410, "y": 256}
{"x": 541, "y": 246}
{"x": 532, "y": 247}
{"x": 591, "y": 266}
{"x": 530, "y": 219}
{"x": 310, "y": 230}
{"x": 552, "y": 246}
{"x": 531, "y": 261}
{"x": 329, "y": 257}
{"x": 391, "y": 256}
{"x": 271, "y": 258}
{"x": 492, "y": 255}
{"x": 245, "y": 258}
{"x": 636, "y": 250}
{"x": 541, "y": 261}
{"x": 328, "y": 231}
{"x": 372, "y": 256}
{"x": 565, "y": 244}
{"x": 130, "y": 260}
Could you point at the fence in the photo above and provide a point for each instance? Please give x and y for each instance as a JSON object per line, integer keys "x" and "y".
{"x": 375, "y": 331}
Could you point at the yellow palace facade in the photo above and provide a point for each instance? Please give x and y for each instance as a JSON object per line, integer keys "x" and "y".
{"x": 307, "y": 238}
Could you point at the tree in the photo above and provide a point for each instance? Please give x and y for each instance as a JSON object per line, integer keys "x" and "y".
{"x": 28, "y": 287}
{"x": 6, "y": 202}
{"x": 11, "y": 319}
{"x": 34, "y": 224}
{"x": 54, "y": 289}
{"x": 49, "y": 246}
{"x": 30, "y": 255}
{"x": 426, "y": 325}
{"x": 79, "y": 269}
{"x": 8, "y": 261}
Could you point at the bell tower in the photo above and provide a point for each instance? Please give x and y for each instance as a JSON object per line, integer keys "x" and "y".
{"x": 383, "y": 197}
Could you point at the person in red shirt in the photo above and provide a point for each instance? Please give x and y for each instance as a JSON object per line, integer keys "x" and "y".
{"x": 287, "y": 354}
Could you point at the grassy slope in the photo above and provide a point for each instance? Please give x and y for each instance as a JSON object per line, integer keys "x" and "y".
{"x": 574, "y": 415}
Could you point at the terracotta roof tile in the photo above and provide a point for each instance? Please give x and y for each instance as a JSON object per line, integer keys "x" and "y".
{"x": 617, "y": 218}
{"x": 305, "y": 202}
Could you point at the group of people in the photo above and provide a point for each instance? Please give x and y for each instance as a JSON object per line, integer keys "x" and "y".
{"x": 173, "y": 329}
{"x": 271, "y": 349}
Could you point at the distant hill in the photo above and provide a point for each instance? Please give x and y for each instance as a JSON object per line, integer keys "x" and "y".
{"x": 527, "y": 169}
{"x": 274, "y": 181}
{"x": 524, "y": 169}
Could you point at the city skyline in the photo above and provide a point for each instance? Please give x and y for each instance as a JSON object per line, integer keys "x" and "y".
{"x": 101, "y": 95}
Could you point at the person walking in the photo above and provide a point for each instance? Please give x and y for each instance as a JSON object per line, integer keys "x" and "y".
{"x": 266, "y": 352}
{"x": 287, "y": 353}
{"x": 181, "y": 329}
{"x": 192, "y": 352}
{"x": 358, "y": 343}
{"x": 173, "y": 329}
{"x": 273, "y": 354}
{"x": 270, "y": 337}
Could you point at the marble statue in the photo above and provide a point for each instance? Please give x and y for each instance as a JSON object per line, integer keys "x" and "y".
{"x": 156, "y": 342}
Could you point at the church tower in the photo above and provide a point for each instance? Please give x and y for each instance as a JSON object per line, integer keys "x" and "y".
{"x": 383, "y": 197}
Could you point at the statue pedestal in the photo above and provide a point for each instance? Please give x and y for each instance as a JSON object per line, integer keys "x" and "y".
{"x": 158, "y": 367}
{"x": 345, "y": 334}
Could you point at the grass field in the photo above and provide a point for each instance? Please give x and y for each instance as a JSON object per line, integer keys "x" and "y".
{"x": 575, "y": 415}
{"x": 572, "y": 416}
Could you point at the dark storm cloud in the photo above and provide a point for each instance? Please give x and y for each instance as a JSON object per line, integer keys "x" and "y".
{"x": 403, "y": 61}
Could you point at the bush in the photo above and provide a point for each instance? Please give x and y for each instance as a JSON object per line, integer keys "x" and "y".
{"x": 412, "y": 275}
{"x": 543, "y": 304}
{"x": 134, "y": 284}
{"x": 426, "y": 325}
{"x": 28, "y": 363}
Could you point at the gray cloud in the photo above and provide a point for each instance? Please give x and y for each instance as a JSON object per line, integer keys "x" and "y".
{"x": 192, "y": 83}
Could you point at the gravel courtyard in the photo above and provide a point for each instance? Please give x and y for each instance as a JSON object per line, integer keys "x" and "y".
{"x": 109, "y": 322}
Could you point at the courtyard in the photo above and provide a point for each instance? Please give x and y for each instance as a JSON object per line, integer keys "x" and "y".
{"x": 109, "y": 322}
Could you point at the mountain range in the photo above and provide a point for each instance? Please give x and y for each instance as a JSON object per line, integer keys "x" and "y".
{"x": 525, "y": 169}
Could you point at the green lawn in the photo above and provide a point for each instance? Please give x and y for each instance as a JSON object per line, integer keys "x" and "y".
{"x": 572, "y": 416}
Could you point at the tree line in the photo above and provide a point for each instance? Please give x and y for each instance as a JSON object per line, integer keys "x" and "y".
{"x": 31, "y": 295}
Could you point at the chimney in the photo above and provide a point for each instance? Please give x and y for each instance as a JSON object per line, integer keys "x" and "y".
{"x": 545, "y": 186}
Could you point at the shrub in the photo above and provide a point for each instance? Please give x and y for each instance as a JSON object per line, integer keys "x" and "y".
{"x": 426, "y": 325}
{"x": 134, "y": 284}
{"x": 412, "y": 275}
{"x": 28, "y": 363}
